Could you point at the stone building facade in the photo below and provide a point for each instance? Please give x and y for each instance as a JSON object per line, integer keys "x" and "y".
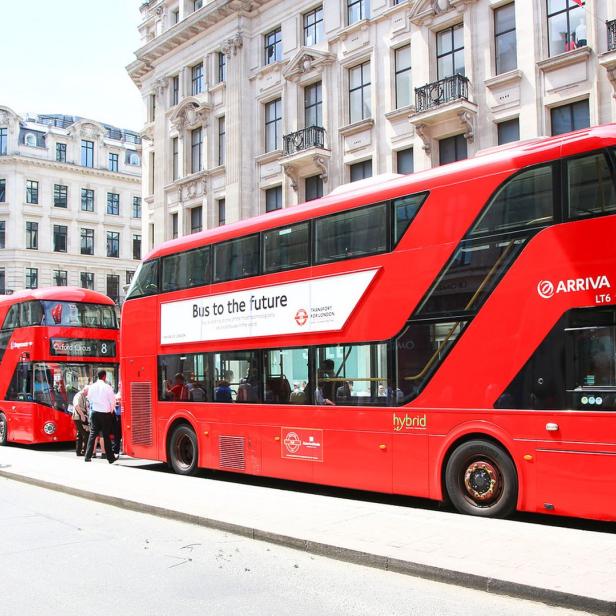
{"x": 70, "y": 203}
{"x": 255, "y": 105}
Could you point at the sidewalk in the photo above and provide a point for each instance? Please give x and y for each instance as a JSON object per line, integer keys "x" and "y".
{"x": 561, "y": 566}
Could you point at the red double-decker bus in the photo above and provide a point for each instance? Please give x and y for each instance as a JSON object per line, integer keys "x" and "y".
{"x": 449, "y": 334}
{"x": 52, "y": 343}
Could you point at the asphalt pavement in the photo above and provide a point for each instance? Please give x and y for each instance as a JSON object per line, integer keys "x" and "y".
{"x": 562, "y": 565}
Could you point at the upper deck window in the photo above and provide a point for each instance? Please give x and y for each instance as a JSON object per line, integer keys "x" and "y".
{"x": 186, "y": 269}
{"x": 590, "y": 186}
{"x": 60, "y": 313}
{"x": 236, "y": 259}
{"x": 286, "y": 248}
{"x": 145, "y": 281}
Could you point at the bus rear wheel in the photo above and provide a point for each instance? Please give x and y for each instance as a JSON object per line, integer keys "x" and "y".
{"x": 3, "y": 429}
{"x": 481, "y": 480}
{"x": 183, "y": 450}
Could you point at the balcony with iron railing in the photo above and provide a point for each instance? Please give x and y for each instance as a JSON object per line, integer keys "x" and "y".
{"x": 611, "y": 35}
{"x": 304, "y": 139}
{"x": 441, "y": 92}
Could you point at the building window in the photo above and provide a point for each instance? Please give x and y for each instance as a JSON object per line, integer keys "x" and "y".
{"x": 566, "y": 26}
{"x": 357, "y": 10}
{"x": 313, "y": 26}
{"x": 32, "y": 235}
{"x": 2, "y": 190}
{"x": 32, "y": 191}
{"x": 508, "y": 131}
{"x": 175, "y": 90}
{"x": 2, "y": 234}
{"x": 31, "y": 278}
{"x": 113, "y": 204}
{"x": 87, "y": 241}
{"x": 195, "y": 150}
{"x": 3, "y": 141}
{"x": 136, "y": 207}
{"x": 132, "y": 158}
{"x": 87, "y": 200}
{"x": 313, "y": 187}
{"x": 151, "y": 107}
{"x": 273, "y": 123}
{"x": 196, "y": 219}
{"x": 452, "y": 149}
{"x": 60, "y": 278}
{"x": 175, "y": 160}
{"x": 130, "y": 274}
{"x": 2, "y": 281}
{"x": 60, "y": 233}
{"x": 60, "y": 195}
{"x": 504, "y": 39}
{"x": 570, "y": 117}
{"x": 404, "y": 161}
{"x": 87, "y": 280}
{"x": 197, "y": 4}
{"x": 450, "y": 52}
{"x": 361, "y": 171}
{"x": 174, "y": 225}
{"x": 61, "y": 152}
{"x": 222, "y": 67}
{"x": 87, "y": 153}
{"x": 197, "y": 78}
{"x": 113, "y": 287}
{"x": 175, "y": 16}
{"x": 360, "y": 105}
{"x": 403, "y": 76}
{"x": 136, "y": 247}
{"x": 113, "y": 161}
{"x": 273, "y": 46}
{"x": 113, "y": 244}
{"x": 221, "y": 140}
{"x": 273, "y": 199}
{"x": 222, "y": 213}
{"x": 313, "y": 105}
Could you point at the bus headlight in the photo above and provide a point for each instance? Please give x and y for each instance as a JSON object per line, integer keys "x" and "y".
{"x": 49, "y": 427}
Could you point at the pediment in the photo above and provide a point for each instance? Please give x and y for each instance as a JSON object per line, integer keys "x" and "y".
{"x": 424, "y": 11}
{"x": 8, "y": 115}
{"x": 190, "y": 113}
{"x": 88, "y": 129}
{"x": 305, "y": 61}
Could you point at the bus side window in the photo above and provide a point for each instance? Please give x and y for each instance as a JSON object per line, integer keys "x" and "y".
{"x": 20, "y": 388}
{"x": 11, "y": 321}
{"x": 590, "y": 186}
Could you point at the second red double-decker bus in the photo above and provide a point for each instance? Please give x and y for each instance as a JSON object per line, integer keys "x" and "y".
{"x": 52, "y": 343}
{"x": 449, "y": 334}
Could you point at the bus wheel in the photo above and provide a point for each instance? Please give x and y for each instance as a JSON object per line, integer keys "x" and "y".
{"x": 3, "y": 429}
{"x": 481, "y": 480}
{"x": 183, "y": 450}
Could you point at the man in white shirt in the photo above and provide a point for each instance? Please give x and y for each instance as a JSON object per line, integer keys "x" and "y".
{"x": 102, "y": 405}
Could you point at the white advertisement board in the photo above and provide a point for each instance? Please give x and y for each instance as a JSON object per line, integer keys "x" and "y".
{"x": 317, "y": 305}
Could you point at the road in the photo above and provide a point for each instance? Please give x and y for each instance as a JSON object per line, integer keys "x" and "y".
{"x": 65, "y": 555}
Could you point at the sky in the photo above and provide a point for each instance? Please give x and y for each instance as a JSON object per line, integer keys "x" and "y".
{"x": 70, "y": 57}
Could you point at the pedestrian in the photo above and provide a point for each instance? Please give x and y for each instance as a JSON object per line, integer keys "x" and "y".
{"x": 102, "y": 402}
{"x": 117, "y": 423}
{"x": 80, "y": 417}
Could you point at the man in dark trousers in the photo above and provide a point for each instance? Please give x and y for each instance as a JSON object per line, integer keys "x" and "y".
{"x": 102, "y": 405}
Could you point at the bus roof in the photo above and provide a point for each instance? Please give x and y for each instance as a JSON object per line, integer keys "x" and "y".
{"x": 60, "y": 294}
{"x": 490, "y": 161}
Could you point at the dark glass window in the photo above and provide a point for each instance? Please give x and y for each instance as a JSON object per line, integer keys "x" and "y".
{"x": 508, "y": 131}
{"x": 237, "y": 377}
{"x": 87, "y": 200}
{"x": 2, "y": 190}
{"x": 313, "y": 105}
{"x": 505, "y": 38}
{"x": 113, "y": 204}
{"x": 273, "y": 199}
{"x": 313, "y": 187}
{"x": 221, "y": 140}
{"x": 570, "y": 117}
{"x": 151, "y": 107}
{"x": 31, "y": 278}
{"x": 175, "y": 90}
{"x": 195, "y": 150}
{"x": 236, "y": 259}
{"x": 286, "y": 248}
{"x": 285, "y": 376}
{"x": 113, "y": 287}
{"x": 32, "y": 191}
{"x": 186, "y": 377}
{"x": 87, "y": 153}
{"x": 87, "y": 241}
{"x": 273, "y": 46}
{"x": 2, "y": 234}
{"x": 186, "y": 269}
{"x": 61, "y": 152}
{"x": 450, "y": 52}
{"x": 590, "y": 186}
{"x": 566, "y": 26}
{"x": 87, "y": 280}
{"x": 361, "y": 171}
{"x": 405, "y": 210}
{"x": 196, "y": 219}
{"x": 404, "y": 161}
{"x": 60, "y": 278}
{"x": 136, "y": 213}
{"x": 32, "y": 235}
{"x": 113, "y": 244}
{"x": 273, "y": 125}
{"x": 197, "y": 79}
{"x": 176, "y": 161}
{"x": 355, "y": 233}
{"x": 60, "y": 195}
{"x": 145, "y": 281}
{"x": 360, "y": 93}
{"x": 3, "y": 141}
{"x": 452, "y": 149}
{"x": 313, "y": 26}
{"x": 113, "y": 161}
{"x": 357, "y": 10}
{"x": 222, "y": 215}
{"x": 174, "y": 225}
{"x": 130, "y": 274}
{"x": 404, "y": 87}
{"x": 60, "y": 233}
{"x": 136, "y": 246}
{"x": 222, "y": 67}
{"x": 2, "y": 292}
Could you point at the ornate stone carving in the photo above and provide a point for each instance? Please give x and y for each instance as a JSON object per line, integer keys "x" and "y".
{"x": 190, "y": 115}
{"x": 466, "y": 119}
{"x": 231, "y": 45}
{"x": 611, "y": 75}
{"x": 192, "y": 189}
{"x": 420, "y": 129}
{"x": 4, "y": 117}
{"x": 306, "y": 61}
{"x": 160, "y": 85}
{"x": 291, "y": 172}
{"x": 321, "y": 163}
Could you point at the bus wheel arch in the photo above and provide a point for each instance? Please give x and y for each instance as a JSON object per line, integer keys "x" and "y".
{"x": 479, "y": 476}
{"x": 182, "y": 447}
{"x": 4, "y": 429}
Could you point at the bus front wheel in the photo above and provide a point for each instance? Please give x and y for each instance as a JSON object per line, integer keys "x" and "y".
{"x": 183, "y": 450}
{"x": 481, "y": 480}
{"x": 3, "y": 429}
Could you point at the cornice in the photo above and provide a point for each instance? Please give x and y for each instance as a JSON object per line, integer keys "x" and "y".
{"x": 567, "y": 58}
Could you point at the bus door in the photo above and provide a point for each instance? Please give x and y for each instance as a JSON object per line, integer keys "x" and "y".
{"x": 19, "y": 404}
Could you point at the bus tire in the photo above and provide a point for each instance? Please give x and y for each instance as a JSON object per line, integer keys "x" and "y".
{"x": 4, "y": 429}
{"x": 183, "y": 450}
{"x": 481, "y": 480}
